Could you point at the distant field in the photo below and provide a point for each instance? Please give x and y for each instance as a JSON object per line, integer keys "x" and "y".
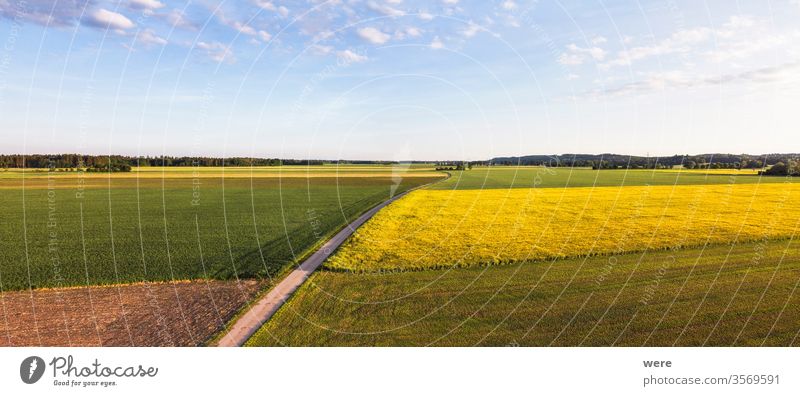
{"x": 744, "y": 294}
{"x": 443, "y": 229}
{"x": 35, "y": 176}
{"x": 65, "y": 229}
{"x": 526, "y": 177}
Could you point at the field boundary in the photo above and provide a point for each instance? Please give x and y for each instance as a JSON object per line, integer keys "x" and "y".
{"x": 504, "y": 263}
{"x": 263, "y": 309}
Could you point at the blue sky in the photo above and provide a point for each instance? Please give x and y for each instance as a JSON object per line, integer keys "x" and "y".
{"x": 399, "y": 79}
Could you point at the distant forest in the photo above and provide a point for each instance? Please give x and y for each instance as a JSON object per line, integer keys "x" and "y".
{"x": 120, "y": 163}
{"x": 617, "y": 161}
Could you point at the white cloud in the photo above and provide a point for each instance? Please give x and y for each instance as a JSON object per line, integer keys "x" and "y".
{"x": 740, "y": 37}
{"x": 450, "y": 2}
{"x": 745, "y": 48}
{"x": 509, "y": 5}
{"x": 270, "y": 6}
{"x": 178, "y": 19}
{"x": 788, "y": 73}
{"x": 347, "y": 57}
{"x": 267, "y": 5}
{"x": 426, "y": 16}
{"x": 106, "y": 19}
{"x": 244, "y": 29}
{"x": 739, "y": 22}
{"x": 471, "y": 30}
{"x": 373, "y": 35}
{"x": 217, "y": 51}
{"x": 47, "y": 13}
{"x": 571, "y": 77}
{"x": 576, "y": 55}
{"x": 320, "y": 49}
{"x": 437, "y": 43}
{"x": 149, "y": 37}
{"x": 146, "y": 4}
{"x": 570, "y": 59}
{"x": 598, "y": 40}
{"x": 384, "y": 9}
{"x": 681, "y": 41}
{"x": 413, "y": 31}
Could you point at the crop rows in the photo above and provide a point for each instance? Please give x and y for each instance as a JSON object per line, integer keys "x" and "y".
{"x": 442, "y": 229}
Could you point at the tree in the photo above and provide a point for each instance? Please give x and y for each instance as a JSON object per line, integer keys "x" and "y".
{"x": 782, "y": 169}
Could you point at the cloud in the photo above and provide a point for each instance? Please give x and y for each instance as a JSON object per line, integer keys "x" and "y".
{"x": 384, "y": 9}
{"x": 267, "y": 5}
{"x": 413, "y": 31}
{"x": 270, "y": 6}
{"x": 656, "y": 82}
{"x": 105, "y": 19}
{"x": 437, "y": 43}
{"x": 283, "y": 11}
{"x": 149, "y": 37}
{"x": 178, "y": 19}
{"x": 681, "y": 41}
{"x": 598, "y": 40}
{"x": 217, "y": 51}
{"x": 45, "y": 12}
{"x": 347, "y": 57}
{"x": 471, "y": 30}
{"x": 242, "y": 27}
{"x": 426, "y": 16}
{"x": 450, "y": 2}
{"x": 567, "y": 59}
{"x": 576, "y": 55}
{"x": 147, "y": 5}
{"x": 320, "y": 49}
{"x": 739, "y": 36}
{"x": 509, "y": 5}
{"x": 373, "y": 35}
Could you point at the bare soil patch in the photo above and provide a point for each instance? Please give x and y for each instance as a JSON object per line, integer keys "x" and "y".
{"x": 146, "y": 314}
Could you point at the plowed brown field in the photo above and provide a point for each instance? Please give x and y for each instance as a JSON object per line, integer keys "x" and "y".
{"x": 145, "y": 314}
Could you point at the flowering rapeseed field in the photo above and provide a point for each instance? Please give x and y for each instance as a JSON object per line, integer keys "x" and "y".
{"x": 440, "y": 229}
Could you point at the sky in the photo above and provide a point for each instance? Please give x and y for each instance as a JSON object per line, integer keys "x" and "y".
{"x": 399, "y": 79}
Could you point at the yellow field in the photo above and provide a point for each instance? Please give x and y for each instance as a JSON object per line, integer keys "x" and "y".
{"x": 433, "y": 229}
{"x": 735, "y": 172}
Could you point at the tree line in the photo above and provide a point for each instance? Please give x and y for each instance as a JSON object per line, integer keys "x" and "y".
{"x": 121, "y": 163}
{"x": 788, "y": 168}
{"x": 616, "y": 161}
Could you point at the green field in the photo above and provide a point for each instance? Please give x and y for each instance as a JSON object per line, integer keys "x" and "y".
{"x": 527, "y": 177}
{"x": 724, "y": 295}
{"x": 67, "y": 229}
{"x": 729, "y": 294}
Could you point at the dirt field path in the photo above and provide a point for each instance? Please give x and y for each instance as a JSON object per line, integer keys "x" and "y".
{"x": 262, "y": 310}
